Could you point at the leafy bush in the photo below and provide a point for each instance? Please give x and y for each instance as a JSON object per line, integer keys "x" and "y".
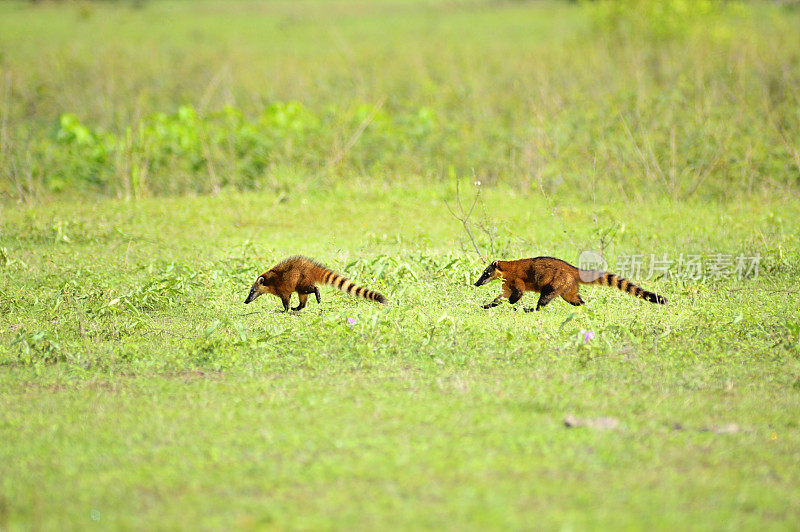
{"x": 659, "y": 20}
{"x": 37, "y": 347}
{"x": 84, "y": 157}
{"x": 226, "y": 148}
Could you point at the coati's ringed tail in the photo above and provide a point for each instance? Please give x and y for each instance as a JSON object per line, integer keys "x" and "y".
{"x": 301, "y": 274}
{"x": 610, "y": 279}
{"x": 552, "y": 278}
{"x": 346, "y": 285}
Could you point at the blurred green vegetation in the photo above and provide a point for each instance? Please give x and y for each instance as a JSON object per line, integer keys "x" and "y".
{"x": 636, "y": 97}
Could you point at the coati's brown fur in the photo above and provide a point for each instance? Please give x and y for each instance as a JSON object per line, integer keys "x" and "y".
{"x": 300, "y": 274}
{"x": 552, "y": 277}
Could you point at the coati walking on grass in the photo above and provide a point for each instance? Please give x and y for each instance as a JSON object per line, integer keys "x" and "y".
{"x": 300, "y": 274}
{"x": 552, "y": 277}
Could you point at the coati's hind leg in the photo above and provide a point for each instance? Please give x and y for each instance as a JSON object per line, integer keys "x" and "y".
{"x": 302, "y": 298}
{"x": 547, "y": 295}
{"x": 303, "y": 293}
{"x": 572, "y": 297}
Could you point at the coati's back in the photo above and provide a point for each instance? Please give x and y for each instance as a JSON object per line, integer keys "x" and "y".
{"x": 298, "y": 267}
{"x": 542, "y": 271}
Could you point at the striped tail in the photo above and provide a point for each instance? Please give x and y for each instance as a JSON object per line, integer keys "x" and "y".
{"x": 610, "y": 279}
{"x": 346, "y": 285}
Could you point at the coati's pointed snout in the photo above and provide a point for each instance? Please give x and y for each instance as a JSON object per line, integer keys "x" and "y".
{"x": 487, "y": 275}
{"x": 483, "y": 279}
{"x": 251, "y": 296}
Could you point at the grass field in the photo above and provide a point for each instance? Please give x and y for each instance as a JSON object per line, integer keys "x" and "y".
{"x": 138, "y": 391}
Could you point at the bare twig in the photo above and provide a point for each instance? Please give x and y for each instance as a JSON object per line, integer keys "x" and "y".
{"x": 215, "y": 186}
{"x": 605, "y": 236}
{"x": 553, "y": 213}
{"x": 464, "y": 217}
{"x": 647, "y": 163}
{"x": 8, "y": 163}
{"x": 336, "y": 159}
{"x": 594, "y": 209}
{"x": 702, "y": 177}
{"x": 211, "y": 88}
{"x": 483, "y": 223}
{"x": 793, "y": 152}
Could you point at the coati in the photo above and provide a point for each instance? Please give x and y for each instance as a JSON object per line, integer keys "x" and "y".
{"x": 300, "y": 274}
{"x": 552, "y": 277}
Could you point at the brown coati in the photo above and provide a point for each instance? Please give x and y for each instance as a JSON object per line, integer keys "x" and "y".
{"x": 552, "y": 277}
{"x": 300, "y": 274}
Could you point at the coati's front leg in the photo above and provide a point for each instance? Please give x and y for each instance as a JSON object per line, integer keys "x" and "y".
{"x": 516, "y": 295}
{"x": 496, "y": 301}
{"x": 286, "y": 300}
{"x": 505, "y": 294}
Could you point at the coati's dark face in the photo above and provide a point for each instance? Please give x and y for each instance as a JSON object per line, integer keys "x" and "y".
{"x": 491, "y": 273}
{"x": 258, "y": 288}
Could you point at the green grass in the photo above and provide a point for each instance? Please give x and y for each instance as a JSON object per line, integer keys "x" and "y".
{"x": 189, "y": 406}
{"x": 137, "y": 390}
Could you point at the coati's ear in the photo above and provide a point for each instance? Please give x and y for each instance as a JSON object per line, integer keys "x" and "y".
{"x": 261, "y": 281}
{"x": 493, "y": 264}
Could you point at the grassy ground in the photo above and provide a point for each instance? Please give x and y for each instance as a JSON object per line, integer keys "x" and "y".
{"x": 138, "y": 391}
{"x": 179, "y": 403}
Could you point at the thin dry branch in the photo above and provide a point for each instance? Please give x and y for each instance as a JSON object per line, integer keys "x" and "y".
{"x": 336, "y": 159}
{"x": 464, "y": 217}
